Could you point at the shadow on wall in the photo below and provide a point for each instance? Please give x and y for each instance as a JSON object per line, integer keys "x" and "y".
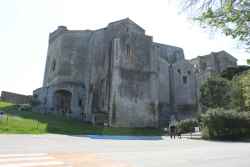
{"x": 35, "y": 122}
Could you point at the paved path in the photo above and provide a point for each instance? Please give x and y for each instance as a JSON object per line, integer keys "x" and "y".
{"x": 29, "y": 160}
{"x": 84, "y": 151}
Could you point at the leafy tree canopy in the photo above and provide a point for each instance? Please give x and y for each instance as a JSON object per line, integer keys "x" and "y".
{"x": 216, "y": 92}
{"x": 231, "y": 72}
{"x": 230, "y": 16}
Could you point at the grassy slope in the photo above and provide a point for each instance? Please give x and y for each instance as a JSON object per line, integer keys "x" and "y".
{"x": 30, "y": 122}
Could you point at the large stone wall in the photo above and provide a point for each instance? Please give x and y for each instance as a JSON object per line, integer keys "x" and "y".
{"x": 134, "y": 83}
{"x": 46, "y": 99}
{"x": 15, "y": 98}
{"x": 185, "y": 89}
{"x": 165, "y": 108}
{"x": 215, "y": 62}
{"x": 119, "y": 76}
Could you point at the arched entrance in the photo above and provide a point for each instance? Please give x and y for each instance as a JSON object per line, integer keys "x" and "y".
{"x": 63, "y": 101}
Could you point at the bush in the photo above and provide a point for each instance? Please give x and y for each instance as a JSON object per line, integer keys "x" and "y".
{"x": 187, "y": 125}
{"x": 215, "y": 92}
{"x": 226, "y": 124}
{"x": 205, "y": 133}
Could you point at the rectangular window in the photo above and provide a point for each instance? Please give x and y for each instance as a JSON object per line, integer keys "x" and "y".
{"x": 184, "y": 78}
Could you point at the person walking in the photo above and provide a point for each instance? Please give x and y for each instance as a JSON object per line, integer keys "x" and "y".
{"x": 172, "y": 131}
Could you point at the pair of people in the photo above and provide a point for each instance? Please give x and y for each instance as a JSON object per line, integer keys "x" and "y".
{"x": 174, "y": 131}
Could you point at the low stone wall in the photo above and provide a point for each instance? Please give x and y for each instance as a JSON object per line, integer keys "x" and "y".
{"x": 15, "y": 98}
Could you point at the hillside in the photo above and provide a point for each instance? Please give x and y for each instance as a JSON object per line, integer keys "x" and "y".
{"x": 28, "y": 122}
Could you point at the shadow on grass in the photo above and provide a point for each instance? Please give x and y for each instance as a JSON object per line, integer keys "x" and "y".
{"x": 51, "y": 123}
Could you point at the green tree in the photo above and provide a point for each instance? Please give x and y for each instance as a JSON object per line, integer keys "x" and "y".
{"x": 244, "y": 82}
{"x": 231, "y": 72}
{"x": 230, "y": 16}
{"x": 216, "y": 92}
{"x": 237, "y": 100}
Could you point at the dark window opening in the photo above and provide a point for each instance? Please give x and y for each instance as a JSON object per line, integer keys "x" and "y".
{"x": 130, "y": 54}
{"x": 189, "y": 72}
{"x": 128, "y": 50}
{"x": 80, "y": 103}
{"x": 62, "y": 100}
{"x": 184, "y": 78}
{"x": 53, "y": 66}
{"x": 179, "y": 71}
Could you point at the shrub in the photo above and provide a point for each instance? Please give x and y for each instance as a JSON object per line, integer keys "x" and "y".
{"x": 226, "y": 124}
{"x": 187, "y": 125}
{"x": 205, "y": 133}
{"x": 215, "y": 92}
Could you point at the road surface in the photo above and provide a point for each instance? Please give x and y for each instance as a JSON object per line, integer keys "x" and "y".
{"x": 79, "y": 151}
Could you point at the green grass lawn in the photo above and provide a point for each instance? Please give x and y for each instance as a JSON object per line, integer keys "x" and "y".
{"x": 28, "y": 122}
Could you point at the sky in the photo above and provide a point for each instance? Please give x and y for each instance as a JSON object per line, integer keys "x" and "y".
{"x": 25, "y": 26}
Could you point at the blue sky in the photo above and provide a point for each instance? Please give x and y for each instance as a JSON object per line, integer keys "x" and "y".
{"x": 26, "y": 24}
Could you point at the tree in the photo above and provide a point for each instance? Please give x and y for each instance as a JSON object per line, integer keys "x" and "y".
{"x": 244, "y": 82}
{"x": 231, "y": 72}
{"x": 216, "y": 92}
{"x": 230, "y": 16}
{"x": 237, "y": 99}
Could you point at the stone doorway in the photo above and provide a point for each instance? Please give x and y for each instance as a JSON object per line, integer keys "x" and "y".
{"x": 63, "y": 101}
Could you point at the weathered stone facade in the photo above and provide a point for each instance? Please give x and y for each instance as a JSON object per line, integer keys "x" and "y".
{"x": 213, "y": 63}
{"x": 117, "y": 75}
{"x": 15, "y": 98}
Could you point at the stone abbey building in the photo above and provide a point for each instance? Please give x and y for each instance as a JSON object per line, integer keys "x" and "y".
{"x": 118, "y": 76}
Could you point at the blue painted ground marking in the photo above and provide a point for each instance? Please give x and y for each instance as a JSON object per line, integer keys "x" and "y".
{"x": 114, "y": 137}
